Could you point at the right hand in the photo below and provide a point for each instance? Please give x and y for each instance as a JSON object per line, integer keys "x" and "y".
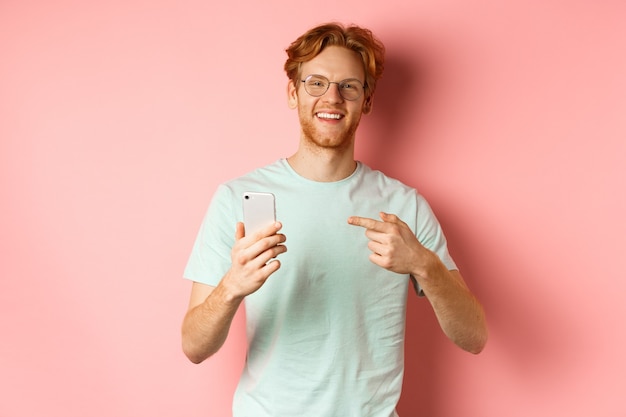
{"x": 253, "y": 259}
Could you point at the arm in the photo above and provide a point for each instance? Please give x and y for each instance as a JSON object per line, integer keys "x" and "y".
{"x": 211, "y": 309}
{"x": 459, "y": 313}
{"x": 395, "y": 247}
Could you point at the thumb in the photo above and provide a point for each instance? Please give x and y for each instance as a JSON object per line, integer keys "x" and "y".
{"x": 240, "y": 231}
{"x": 389, "y": 218}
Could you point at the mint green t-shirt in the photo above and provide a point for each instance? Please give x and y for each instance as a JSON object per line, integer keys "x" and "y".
{"x": 326, "y": 331}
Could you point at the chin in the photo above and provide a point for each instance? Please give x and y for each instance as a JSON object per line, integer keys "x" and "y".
{"x": 338, "y": 141}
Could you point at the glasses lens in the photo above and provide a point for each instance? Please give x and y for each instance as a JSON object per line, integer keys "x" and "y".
{"x": 351, "y": 89}
{"x": 316, "y": 85}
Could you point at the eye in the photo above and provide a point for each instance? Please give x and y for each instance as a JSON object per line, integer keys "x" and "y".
{"x": 349, "y": 85}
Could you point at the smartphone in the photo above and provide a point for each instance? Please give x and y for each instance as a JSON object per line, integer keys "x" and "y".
{"x": 259, "y": 210}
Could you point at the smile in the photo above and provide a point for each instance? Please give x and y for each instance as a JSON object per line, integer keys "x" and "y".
{"x": 335, "y": 116}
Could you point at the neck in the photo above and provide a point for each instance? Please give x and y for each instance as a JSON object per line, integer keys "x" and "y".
{"x": 323, "y": 165}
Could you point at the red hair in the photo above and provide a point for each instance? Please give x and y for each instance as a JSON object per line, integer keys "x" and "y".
{"x": 355, "y": 38}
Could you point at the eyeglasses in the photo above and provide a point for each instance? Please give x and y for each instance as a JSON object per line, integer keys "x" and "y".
{"x": 317, "y": 85}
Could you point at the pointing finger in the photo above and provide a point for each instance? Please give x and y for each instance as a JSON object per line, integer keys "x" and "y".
{"x": 364, "y": 222}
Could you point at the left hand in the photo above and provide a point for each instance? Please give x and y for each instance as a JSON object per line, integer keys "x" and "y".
{"x": 393, "y": 244}
{"x": 395, "y": 247}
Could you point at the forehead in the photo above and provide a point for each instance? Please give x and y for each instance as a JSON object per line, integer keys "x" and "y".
{"x": 335, "y": 63}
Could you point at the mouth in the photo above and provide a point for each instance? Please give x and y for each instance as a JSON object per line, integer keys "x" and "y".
{"x": 329, "y": 116}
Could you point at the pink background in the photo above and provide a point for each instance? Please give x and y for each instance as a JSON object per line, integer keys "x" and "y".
{"x": 118, "y": 119}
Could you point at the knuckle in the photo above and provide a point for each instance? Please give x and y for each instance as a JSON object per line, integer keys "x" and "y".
{"x": 239, "y": 259}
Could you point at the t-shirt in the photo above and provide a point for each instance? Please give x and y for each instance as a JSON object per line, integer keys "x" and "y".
{"x": 326, "y": 331}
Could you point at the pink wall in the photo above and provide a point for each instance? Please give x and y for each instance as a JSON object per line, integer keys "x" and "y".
{"x": 118, "y": 119}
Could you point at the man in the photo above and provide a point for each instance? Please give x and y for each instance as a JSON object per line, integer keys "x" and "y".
{"x": 325, "y": 320}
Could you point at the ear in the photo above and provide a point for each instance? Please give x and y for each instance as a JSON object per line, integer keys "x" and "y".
{"x": 292, "y": 95}
{"x": 368, "y": 104}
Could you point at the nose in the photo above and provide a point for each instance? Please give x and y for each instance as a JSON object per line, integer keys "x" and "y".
{"x": 332, "y": 94}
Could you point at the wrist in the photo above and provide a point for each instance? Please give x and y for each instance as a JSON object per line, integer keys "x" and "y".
{"x": 426, "y": 266}
{"x": 228, "y": 295}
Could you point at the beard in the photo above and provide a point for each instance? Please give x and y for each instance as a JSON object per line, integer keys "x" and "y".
{"x": 338, "y": 140}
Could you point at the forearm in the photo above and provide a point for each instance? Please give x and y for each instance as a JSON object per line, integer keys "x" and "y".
{"x": 212, "y": 309}
{"x": 459, "y": 313}
{"x": 205, "y": 327}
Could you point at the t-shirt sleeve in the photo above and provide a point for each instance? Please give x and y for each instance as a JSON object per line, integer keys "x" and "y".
{"x": 210, "y": 255}
{"x": 430, "y": 234}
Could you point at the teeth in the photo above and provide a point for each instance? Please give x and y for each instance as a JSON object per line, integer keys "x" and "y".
{"x": 329, "y": 116}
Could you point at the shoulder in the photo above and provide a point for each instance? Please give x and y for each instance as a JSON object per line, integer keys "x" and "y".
{"x": 258, "y": 177}
{"x": 383, "y": 181}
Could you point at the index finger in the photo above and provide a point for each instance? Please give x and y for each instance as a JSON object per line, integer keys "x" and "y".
{"x": 365, "y": 222}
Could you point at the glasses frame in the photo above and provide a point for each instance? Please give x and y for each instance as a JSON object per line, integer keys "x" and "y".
{"x": 339, "y": 84}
